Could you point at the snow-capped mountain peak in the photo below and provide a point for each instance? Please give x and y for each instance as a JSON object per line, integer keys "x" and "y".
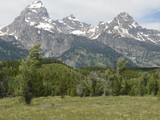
{"x": 35, "y": 10}
{"x": 123, "y": 18}
{"x": 36, "y": 4}
{"x": 36, "y": 16}
{"x": 124, "y": 15}
{"x": 71, "y": 19}
{"x": 71, "y": 25}
{"x": 125, "y": 26}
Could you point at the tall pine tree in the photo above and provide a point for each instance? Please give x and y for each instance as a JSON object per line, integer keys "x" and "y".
{"x": 28, "y": 69}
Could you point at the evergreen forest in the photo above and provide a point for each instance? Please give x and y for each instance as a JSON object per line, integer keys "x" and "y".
{"x": 36, "y": 76}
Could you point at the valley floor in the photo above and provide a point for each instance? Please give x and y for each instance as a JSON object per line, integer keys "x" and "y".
{"x": 87, "y": 108}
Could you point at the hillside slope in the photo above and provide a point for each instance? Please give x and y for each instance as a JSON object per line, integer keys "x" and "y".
{"x": 10, "y": 51}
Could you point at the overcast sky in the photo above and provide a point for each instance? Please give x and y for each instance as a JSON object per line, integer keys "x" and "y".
{"x": 145, "y": 12}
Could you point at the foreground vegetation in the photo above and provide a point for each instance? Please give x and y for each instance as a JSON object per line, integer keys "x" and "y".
{"x": 86, "y": 108}
{"x": 34, "y": 79}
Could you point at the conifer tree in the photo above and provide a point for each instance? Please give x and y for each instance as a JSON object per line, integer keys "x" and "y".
{"x": 121, "y": 64}
{"x": 28, "y": 69}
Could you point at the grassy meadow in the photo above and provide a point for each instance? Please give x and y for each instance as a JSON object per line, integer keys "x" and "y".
{"x": 86, "y": 108}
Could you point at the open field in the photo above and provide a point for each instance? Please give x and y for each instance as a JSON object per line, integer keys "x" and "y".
{"x": 88, "y": 108}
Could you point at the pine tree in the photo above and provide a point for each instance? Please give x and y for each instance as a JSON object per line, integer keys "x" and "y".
{"x": 121, "y": 64}
{"x": 62, "y": 87}
{"x": 93, "y": 86}
{"x": 28, "y": 69}
{"x": 108, "y": 85}
{"x": 2, "y": 89}
{"x": 116, "y": 87}
{"x": 141, "y": 88}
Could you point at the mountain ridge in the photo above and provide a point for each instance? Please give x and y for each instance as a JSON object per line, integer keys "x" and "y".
{"x": 122, "y": 34}
{"x": 37, "y": 15}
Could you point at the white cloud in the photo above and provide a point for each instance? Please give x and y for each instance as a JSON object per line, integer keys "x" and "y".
{"x": 90, "y": 11}
{"x": 10, "y": 9}
{"x": 93, "y": 11}
{"x": 155, "y": 26}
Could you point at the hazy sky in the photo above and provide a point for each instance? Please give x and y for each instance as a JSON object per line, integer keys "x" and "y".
{"x": 145, "y": 12}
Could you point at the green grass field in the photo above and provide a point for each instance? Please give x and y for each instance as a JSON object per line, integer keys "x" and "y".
{"x": 88, "y": 108}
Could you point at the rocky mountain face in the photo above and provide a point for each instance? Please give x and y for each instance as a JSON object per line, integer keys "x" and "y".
{"x": 58, "y": 38}
{"x": 71, "y": 25}
{"x": 86, "y": 52}
{"x": 125, "y": 36}
{"x": 125, "y": 26}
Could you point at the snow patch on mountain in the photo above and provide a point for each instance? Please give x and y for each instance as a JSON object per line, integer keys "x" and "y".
{"x": 45, "y": 26}
{"x": 32, "y": 23}
{"x": 92, "y": 30}
{"x": 1, "y": 33}
{"x": 34, "y": 11}
{"x": 49, "y": 20}
{"x": 78, "y": 32}
{"x": 96, "y": 36}
{"x": 134, "y": 24}
{"x": 27, "y": 20}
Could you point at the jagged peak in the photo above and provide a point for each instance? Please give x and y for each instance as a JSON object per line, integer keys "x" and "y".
{"x": 72, "y": 18}
{"x": 125, "y": 16}
{"x": 101, "y": 22}
{"x": 36, "y": 4}
{"x": 35, "y": 10}
{"x": 124, "y": 19}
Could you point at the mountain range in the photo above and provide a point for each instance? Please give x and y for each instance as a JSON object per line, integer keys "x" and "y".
{"x": 80, "y": 44}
